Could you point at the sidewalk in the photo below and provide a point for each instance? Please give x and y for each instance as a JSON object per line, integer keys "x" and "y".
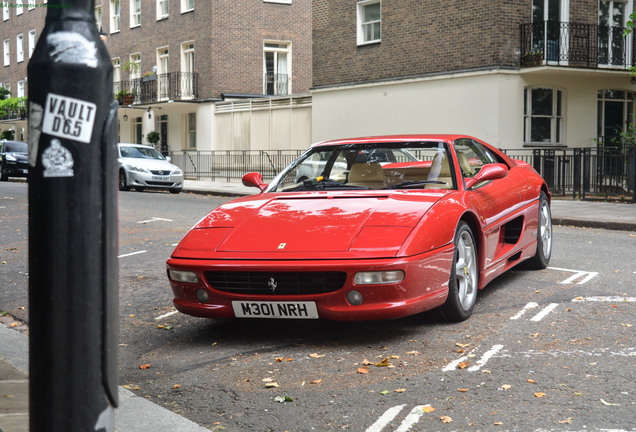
{"x": 136, "y": 414}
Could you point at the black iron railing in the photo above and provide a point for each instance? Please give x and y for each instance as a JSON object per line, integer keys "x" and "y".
{"x": 231, "y": 165}
{"x": 276, "y": 84}
{"x": 581, "y": 172}
{"x": 156, "y": 88}
{"x": 576, "y": 45}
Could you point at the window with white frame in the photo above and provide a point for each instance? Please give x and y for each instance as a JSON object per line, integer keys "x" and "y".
{"x": 137, "y": 130}
{"x": 135, "y": 13}
{"x": 31, "y": 5}
{"x": 615, "y": 115}
{"x": 191, "y": 131}
{"x": 369, "y": 22}
{"x": 7, "y": 52}
{"x": 135, "y": 66}
{"x": 5, "y": 11}
{"x": 116, "y": 73}
{"x": 115, "y": 16}
{"x": 543, "y": 116}
{"x": 187, "y": 70}
{"x": 20, "y": 91}
{"x": 31, "y": 42}
{"x": 277, "y": 68}
{"x": 162, "y": 9}
{"x": 19, "y": 47}
{"x": 163, "y": 67}
{"x": 187, "y": 5}
{"x": 19, "y": 6}
{"x": 98, "y": 17}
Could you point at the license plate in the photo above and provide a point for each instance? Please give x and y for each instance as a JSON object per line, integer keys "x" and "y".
{"x": 25, "y": 171}
{"x": 161, "y": 178}
{"x": 264, "y": 309}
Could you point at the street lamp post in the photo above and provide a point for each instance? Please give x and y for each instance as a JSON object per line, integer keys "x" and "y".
{"x": 73, "y": 238}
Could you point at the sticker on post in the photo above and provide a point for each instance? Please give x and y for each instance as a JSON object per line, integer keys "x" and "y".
{"x": 57, "y": 160}
{"x": 69, "y": 118}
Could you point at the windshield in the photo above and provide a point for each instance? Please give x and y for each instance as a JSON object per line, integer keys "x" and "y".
{"x": 405, "y": 165}
{"x": 15, "y": 147}
{"x": 139, "y": 152}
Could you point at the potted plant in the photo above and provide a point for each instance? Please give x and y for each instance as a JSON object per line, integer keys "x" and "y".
{"x": 125, "y": 97}
{"x": 153, "y": 138}
{"x": 149, "y": 76}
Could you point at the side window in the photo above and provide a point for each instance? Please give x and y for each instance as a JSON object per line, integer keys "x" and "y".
{"x": 472, "y": 155}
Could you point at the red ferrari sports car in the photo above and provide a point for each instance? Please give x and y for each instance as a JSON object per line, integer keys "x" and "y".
{"x": 364, "y": 229}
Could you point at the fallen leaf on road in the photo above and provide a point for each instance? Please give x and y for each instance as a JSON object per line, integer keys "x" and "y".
{"x": 384, "y": 392}
{"x": 428, "y": 409}
{"x": 539, "y": 394}
{"x": 498, "y": 423}
{"x": 143, "y": 367}
{"x": 609, "y": 404}
{"x": 568, "y": 420}
{"x": 413, "y": 353}
{"x": 446, "y": 419}
{"x": 505, "y": 387}
{"x": 282, "y": 399}
{"x": 462, "y": 390}
{"x": 318, "y": 381}
{"x": 363, "y": 370}
{"x": 400, "y": 390}
{"x": 530, "y": 381}
{"x": 384, "y": 362}
{"x": 267, "y": 380}
{"x": 176, "y": 386}
{"x": 463, "y": 365}
{"x": 316, "y": 355}
{"x": 271, "y": 385}
{"x": 366, "y": 362}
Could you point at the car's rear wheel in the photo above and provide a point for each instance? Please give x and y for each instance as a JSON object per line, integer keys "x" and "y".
{"x": 544, "y": 236}
{"x": 464, "y": 278}
{"x": 123, "y": 186}
{"x": 175, "y": 190}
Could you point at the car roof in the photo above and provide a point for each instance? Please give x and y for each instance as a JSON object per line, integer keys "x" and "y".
{"x": 386, "y": 139}
{"x": 134, "y": 145}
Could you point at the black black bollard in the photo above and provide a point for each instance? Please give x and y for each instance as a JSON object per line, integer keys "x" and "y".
{"x": 73, "y": 234}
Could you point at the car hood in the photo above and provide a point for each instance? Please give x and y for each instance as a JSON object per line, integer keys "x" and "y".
{"x": 149, "y": 164}
{"x": 310, "y": 225}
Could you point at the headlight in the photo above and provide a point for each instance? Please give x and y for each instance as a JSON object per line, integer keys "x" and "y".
{"x": 9, "y": 158}
{"x": 380, "y": 277}
{"x": 177, "y": 172}
{"x": 137, "y": 169}
{"x": 183, "y": 276}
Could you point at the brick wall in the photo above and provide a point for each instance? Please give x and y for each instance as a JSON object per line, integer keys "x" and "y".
{"x": 418, "y": 37}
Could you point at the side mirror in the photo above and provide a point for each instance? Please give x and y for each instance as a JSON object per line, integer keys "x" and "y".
{"x": 254, "y": 179}
{"x": 486, "y": 173}
{"x": 168, "y": 158}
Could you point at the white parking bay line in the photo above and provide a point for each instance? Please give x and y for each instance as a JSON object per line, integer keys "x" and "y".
{"x": 586, "y": 275}
{"x": 525, "y": 309}
{"x": 484, "y": 359}
{"x": 385, "y": 418}
{"x": 612, "y": 299}
{"x": 132, "y": 253}
{"x": 538, "y": 317}
{"x": 154, "y": 219}
{"x": 166, "y": 315}
{"x": 413, "y": 417}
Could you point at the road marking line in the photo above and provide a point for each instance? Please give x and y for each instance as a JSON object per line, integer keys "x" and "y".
{"x": 525, "y": 309}
{"x": 385, "y": 418}
{"x": 484, "y": 359}
{"x": 613, "y": 299}
{"x": 577, "y": 274}
{"x": 154, "y": 219}
{"x": 413, "y": 417}
{"x": 538, "y": 317}
{"x": 166, "y": 315}
{"x": 453, "y": 365}
{"x": 132, "y": 253}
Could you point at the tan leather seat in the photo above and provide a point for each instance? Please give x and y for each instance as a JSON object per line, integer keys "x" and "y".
{"x": 367, "y": 175}
{"x": 467, "y": 170}
{"x": 440, "y": 171}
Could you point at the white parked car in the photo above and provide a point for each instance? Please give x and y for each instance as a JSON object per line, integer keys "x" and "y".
{"x": 144, "y": 167}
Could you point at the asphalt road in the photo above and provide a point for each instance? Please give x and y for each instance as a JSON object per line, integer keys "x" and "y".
{"x": 547, "y": 350}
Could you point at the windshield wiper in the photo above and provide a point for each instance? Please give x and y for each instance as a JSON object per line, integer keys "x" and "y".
{"x": 414, "y": 183}
{"x": 324, "y": 184}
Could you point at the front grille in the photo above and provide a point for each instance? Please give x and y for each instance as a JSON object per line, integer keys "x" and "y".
{"x": 158, "y": 183}
{"x": 276, "y": 283}
{"x": 160, "y": 172}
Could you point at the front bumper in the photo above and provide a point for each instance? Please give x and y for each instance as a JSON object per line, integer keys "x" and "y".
{"x": 147, "y": 180}
{"x": 424, "y": 287}
{"x": 16, "y": 169}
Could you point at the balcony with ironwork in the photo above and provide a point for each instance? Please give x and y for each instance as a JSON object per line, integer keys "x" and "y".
{"x": 171, "y": 86}
{"x": 276, "y": 84}
{"x": 577, "y": 45}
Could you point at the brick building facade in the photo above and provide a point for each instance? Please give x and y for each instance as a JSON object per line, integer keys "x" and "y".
{"x": 520, "y": 74}
{"x": 178, "y": 58}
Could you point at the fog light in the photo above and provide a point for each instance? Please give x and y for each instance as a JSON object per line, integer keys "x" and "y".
{"x": 381, "y": 277}
{"x": 202, "y": 295}
{"x": 354, "y": 297}
{"x": 183, "y": 276}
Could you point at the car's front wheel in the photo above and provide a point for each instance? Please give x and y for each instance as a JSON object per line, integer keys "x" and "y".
{"x": 544, "y": 236}
{"x": 4, "y": 175}
{"x": 123, "y": 186}
{"x": 464, "y": 278}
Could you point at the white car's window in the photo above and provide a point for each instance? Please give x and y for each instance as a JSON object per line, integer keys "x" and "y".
{"x": 140, "y": 153}
{"x": 413, "y": 165}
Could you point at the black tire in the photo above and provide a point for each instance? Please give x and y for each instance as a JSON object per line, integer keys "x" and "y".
{"x": 122, "y": 181}
{"x": 544, "y": 236}
{"x": 462, "y": 286}
{"x": 175, "y": 191}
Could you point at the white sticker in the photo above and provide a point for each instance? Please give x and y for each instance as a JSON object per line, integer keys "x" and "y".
{"x": 69, "y": 118}
{"x": 57, "y": 160}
